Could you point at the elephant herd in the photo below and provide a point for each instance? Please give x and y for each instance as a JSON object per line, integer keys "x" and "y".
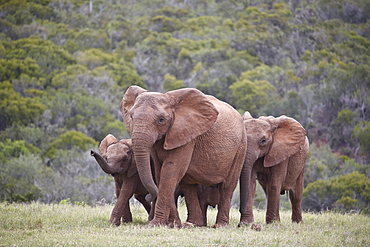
{"x": 184, "y": 142}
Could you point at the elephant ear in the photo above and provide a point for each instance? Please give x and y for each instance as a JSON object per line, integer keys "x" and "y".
{"x": 128, "y": 102}
{"x": 109, "y": 139}
{"x": 289, "y": 136}
{"x": 194, "y": 114}
{"x": 247, "y": 116}
{"x": 132, "y": 169}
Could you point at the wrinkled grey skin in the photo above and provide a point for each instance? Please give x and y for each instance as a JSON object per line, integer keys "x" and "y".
{"x": 276, "y": 154}
{"x": 193, "y": 139}
{"x": 117, "y": 159}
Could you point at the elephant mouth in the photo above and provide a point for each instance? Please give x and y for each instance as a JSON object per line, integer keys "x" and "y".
{"x": 119, "y": 172}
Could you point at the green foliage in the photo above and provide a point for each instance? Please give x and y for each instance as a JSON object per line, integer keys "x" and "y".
{"x": 11, "y": 149}
{"x": 11, "y": 69}
{"x": 18, "y": 174}
{"x": 162, "y": 23}
{"x": 23, "y": 11}
{"x": 93, "y": 58}
{"x": 71, "y": 140}
{"x": 48, "y": 56}
{"x": 89, "y": 39}
{"x": 362, "y": 132}
{"x": 171, "y": 83}
{"x": 323, "y": 164}
{"x": 16, "y": 109}
{"x": 348, "y": 192}
{"x": 251, "y": 92}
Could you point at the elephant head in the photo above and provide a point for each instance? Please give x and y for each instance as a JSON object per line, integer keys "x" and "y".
{"x": 115, "y": 157}
{"x": 275, "y": 139}
{"x": 176, "y": 117}
{"x": 270, "y": 141}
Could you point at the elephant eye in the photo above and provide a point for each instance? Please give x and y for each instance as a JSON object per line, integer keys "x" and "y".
{"x": 161, "y": 121}
{"x": 263, "y": 142}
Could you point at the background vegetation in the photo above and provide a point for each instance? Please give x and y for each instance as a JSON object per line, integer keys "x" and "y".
{"x": 65, "y": 225}
{"x": 65, "y": 65}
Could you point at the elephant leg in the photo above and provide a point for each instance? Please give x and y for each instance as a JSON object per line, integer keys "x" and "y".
{"x": 273, "y": 201}
{"x": 227, "y": 189}
{"x": 127, "y": 216}
{"x": 172, "y": 171}
{"x": 174, "y": 218}
{"x": 274, "y": 183}
{"x": 228, "y": 186}
{"x": 204, "y": 207}
{"x": 141, "y": 199}
{"x": 192, "y": 204}
{"x": 121, "y": 210}
{"x": 165, "y": 205}
{"x": 295, "y": 196}
{"x": 122, "y": 207}
{"x": 222, "y": 218}
{"x": 205, "y": 197}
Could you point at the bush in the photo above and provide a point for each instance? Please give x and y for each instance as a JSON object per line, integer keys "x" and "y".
{"x": 345, "y": 193}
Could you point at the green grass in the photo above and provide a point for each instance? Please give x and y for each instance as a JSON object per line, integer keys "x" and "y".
{"x": 66, "y": 225}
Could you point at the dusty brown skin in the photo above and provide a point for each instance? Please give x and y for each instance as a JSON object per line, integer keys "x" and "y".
{"x": 207, "y": 196}
{"x": 276, "y": 155}
{"x": 193, "y": 139}
{"x": 117, "y": 158}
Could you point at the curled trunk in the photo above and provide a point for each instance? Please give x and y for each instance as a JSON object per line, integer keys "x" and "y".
{"x": 103, "y": 163}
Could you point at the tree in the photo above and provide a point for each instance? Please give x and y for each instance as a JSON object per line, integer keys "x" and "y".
{"x": 171, "y": 83}
{"x": 15, "y": 109}
{"x": 71, "y": 140}
{"x": 47, "y": 55}
{"x": 362, "y": 132}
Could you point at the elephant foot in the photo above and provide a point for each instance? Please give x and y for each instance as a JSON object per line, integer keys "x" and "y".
{"x": 246, "y": 219}
{"x": 219, "y": 225}
{"x": 188, "y": 225}
{"x": 272, "y": 221}
{"x": 115, "y": 223}
{"x": 155, "y": 223}
{"x": 243, "y": 224}
{"x": 174, "y": 224}
{"x": 196, "y": 223}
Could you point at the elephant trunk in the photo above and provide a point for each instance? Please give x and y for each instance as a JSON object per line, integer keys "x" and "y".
{"x": 103, "y": 163}
{"x": 245, "y": 181}
{"x": 245, "y": 178}
{"x": 142, "y": 144}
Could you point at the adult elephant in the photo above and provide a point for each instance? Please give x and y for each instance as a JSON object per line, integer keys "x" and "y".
{"x": 117, "y": 159}
{"x": 193, "y": 138}
{"x": 276, "y": 155}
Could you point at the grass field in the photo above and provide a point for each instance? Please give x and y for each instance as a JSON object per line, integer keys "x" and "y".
{"x": 67, "y": 225}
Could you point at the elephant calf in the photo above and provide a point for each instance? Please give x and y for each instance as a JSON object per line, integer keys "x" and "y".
{"x": 207, "y": 196}
{"x": 276, "y": 155}
{"x": 117, "y": 159}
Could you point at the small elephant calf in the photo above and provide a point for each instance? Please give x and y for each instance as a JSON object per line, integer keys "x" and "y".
{"x": 117, "y": 159}
{"x": 207, "y": 196}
